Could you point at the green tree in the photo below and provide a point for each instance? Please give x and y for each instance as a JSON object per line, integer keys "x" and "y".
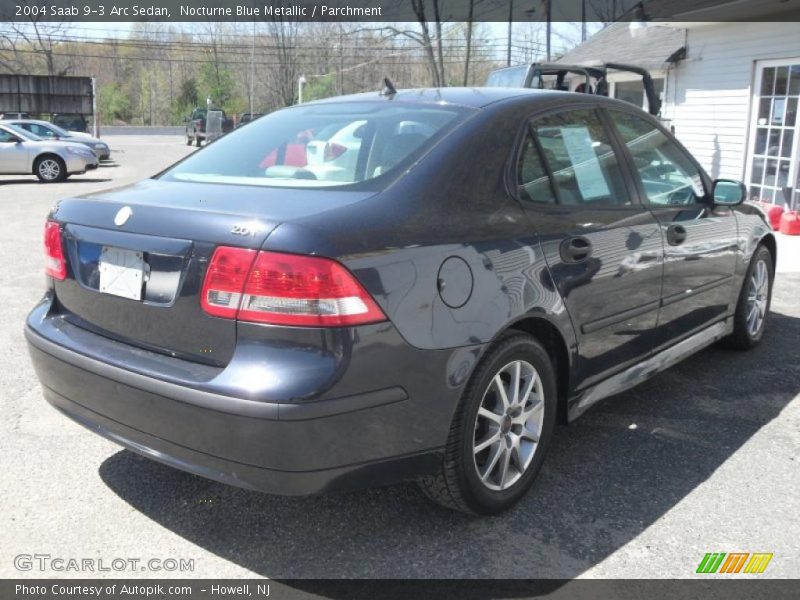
{"x": 114, "y": 103}
{"x": 318, "y": 88}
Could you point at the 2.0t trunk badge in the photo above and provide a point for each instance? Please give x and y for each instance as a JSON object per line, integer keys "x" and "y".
{"x": 122, "y": 216}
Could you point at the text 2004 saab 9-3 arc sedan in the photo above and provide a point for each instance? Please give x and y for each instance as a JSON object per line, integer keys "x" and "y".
{"x": 484, "y": 264}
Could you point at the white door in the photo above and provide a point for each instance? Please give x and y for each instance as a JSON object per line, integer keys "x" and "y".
{"x": 774, "y": 145}
{"x": 13, "y": 155}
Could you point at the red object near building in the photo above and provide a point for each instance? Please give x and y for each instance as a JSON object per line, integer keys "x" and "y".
{"x": 790, "y": 223}
{"x": 773, "y": 212}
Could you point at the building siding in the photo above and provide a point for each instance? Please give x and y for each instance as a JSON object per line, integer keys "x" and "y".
{"x": 708, "y": 96}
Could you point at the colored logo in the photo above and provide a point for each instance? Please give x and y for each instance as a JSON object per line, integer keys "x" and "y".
{"x": 734, "y": 562}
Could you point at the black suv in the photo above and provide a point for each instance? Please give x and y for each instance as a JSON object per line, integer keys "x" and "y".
{"x": 414, "y": 285}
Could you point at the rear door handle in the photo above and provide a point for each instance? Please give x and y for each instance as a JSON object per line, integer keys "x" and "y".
{"x": 575, "y": 249}
{"x": 676, "y": 235}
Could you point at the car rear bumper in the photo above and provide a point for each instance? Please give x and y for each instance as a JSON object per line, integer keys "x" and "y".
{"x": 358, "y": 440}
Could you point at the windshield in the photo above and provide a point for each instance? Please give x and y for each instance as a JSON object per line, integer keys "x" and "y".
{"x": 320, "y": 145}
{"x": 509, "y": 77}
{"x": 57, "y": 130}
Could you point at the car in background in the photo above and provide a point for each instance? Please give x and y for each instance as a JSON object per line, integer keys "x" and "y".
{"x": 7, "y": 116}
{"x": 71, "y": 122}
{"x": 197, "y": 126}
{"x": 23, "y": 153}
{"x": 488, "y": 262}
{"x": 247, "y": 117}
{"x": 46, "y": 130}
{"x": 333, "y": 152}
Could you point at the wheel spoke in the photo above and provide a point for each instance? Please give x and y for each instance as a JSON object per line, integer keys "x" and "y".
{"x": 516, "y": 381}
{"x": 493, "y": 417}
{"x": 528, "y": 389}
{"x": 501, "y": 389}
{"x": 504, "y": 468}
{"x": 492, "y": 439}
{"x": 499, "y": 450}
{"x": 527, "y": 434}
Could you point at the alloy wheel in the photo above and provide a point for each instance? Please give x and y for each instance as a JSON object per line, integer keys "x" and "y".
{"x": 49, "y": 169}
{"x": 757, "y": 296}
{"x": 508, "y": 425}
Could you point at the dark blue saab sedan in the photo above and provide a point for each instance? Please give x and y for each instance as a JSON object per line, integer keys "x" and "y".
{"x": 382, "y": 287}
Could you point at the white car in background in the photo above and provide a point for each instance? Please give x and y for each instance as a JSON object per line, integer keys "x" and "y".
{"x": 332, "y": 154}
{"x": 46, "y": 131}
{"x": 23, "y": 153}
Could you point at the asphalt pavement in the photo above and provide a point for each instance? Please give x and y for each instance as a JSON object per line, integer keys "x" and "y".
{"x": 703, "y": 458}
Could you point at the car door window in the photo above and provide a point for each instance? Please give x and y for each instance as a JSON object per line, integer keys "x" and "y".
{"x": 668, "y": 175}
{"x": 585, "y": 167}
{"x": 5, "y": 137}
{"x": 42, "y": 131}
{"x": 533, "y": 182}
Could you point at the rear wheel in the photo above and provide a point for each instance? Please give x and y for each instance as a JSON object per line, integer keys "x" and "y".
{"x": 754, "y": 300}
{"x": 197, "y": 141}
{"x": 501, "y": 430}
{"x": 188, "y": 141}
{"x": 50, "y": 169}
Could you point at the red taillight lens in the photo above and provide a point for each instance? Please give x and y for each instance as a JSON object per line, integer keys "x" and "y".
{"x": 288, "y": 289}
{"x": 333, "y": 151}
{"x": 55, "y": 263}
{"x": 225, "y": 279}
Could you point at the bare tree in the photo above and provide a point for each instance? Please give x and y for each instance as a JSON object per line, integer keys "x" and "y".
{"x": 34, "y": 39}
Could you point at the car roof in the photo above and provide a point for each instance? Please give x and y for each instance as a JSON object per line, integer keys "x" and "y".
{"x": 474, "y": 97}
{"x": 34, "y": 121}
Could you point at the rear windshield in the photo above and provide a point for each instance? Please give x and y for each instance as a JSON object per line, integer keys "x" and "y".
{"x": 320, "y": 145}
{"x": 509, "y": 77}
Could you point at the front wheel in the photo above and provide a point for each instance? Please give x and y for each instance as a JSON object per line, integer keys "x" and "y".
{"x": 50, "y": 169}
{"x": 501, "y": 430}
{"x": 188, "y": 141}
{"x": 754, "y": 300}
{"x": 197, "y": 141}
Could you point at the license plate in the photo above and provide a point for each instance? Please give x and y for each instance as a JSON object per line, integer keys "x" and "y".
{"x": 121, "y": 272}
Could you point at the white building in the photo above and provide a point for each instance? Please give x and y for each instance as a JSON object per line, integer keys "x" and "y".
{"x": 729, "y": 90}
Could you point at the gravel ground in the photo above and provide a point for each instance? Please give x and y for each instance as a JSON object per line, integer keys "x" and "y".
{"x": 703, "y": 458}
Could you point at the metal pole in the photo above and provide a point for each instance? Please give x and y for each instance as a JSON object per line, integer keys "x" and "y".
{"x": 252, "y": 69}
{"x": 510, "y": 17}
{"x": 583, "y": 20}
{"x": 549, "y": 23}
{"x": 95, "y": 127}
{"x": 301, "y": 80}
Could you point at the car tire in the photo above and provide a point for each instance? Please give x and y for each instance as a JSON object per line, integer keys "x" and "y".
{"x": 197, "y": 141}
{"x": 50, "y": 168}
{"x": 755, "y": 297}
{"x": 484, "y": 475}
{"x": 188, "y": 141}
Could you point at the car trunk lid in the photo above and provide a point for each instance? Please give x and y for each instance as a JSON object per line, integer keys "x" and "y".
{"x": 138, "y": 256}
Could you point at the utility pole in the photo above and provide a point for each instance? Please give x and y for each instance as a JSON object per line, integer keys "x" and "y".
{"x": 548, "y": 8}
{"x": 510, "y": 18}
{"x": 252, "y": 69}
{"x": 583, "y": 20}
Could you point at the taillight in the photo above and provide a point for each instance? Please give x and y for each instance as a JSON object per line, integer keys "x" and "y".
{"x": 225, "y": 279}
{"x": 289, "y": 289}
{"x": 333, "y": 151}
{"x": 55, "y": 263}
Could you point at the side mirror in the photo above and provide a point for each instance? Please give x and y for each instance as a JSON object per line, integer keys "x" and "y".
{"x": 728, "y": 192}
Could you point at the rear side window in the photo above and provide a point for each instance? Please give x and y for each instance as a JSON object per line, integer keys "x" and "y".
{"x": 320, "y": 145}
{"x": 667, "y": 174}
{"x": 586, "y": 169}
{"x": 533, "y": 182}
